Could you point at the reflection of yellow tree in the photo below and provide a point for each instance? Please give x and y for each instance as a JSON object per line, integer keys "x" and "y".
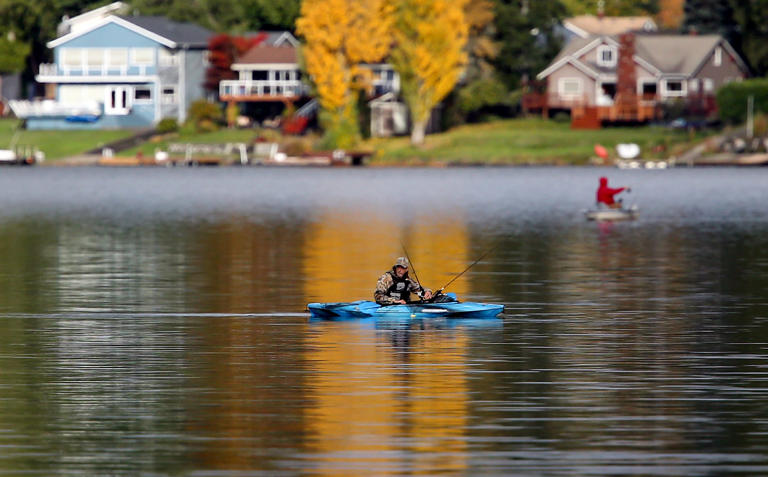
{"x": 244, "y": 267}
{"x": 366, "y": 401}
{"x": 345, "y": 255}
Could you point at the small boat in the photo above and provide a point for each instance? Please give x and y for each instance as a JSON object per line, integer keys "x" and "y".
{"x": 446, "y": 306}
{"x": 605, "y": 214}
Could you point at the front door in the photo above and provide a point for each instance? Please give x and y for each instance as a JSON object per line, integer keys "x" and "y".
{"x": 117, "y": 101}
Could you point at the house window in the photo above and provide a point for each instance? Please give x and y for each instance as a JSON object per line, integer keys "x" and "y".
{"x": 95, "y": 56}
{"x": 142, "y": 56}
{"x": 693, "y": 85}
{"x": 570, "y": 87}
{"x": 259, "y": 75}
{"x": 708, "y": 84}
{"x": 606, "y": 55}
{"x": 647, "y": 89}
{"x": 71, "y": 57}
{"x": 142, "y": 94}
{"x": 674, "y": 88}
{"x": 166, "y": 57}
{"x": 717, "y": 60}
{"x": 117, "y": 57}
{"x": 169, "y": 95}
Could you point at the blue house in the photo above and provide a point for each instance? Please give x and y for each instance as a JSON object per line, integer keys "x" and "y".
{"x": 112, "y": 71}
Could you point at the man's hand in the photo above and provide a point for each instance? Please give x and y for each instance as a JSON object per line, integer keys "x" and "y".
{"x": 400, "y": 302}
{"x": 427, "y": 295}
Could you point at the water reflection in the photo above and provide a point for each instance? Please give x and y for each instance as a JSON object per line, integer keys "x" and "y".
{"x": 153, "y": 323}
{"x": 397, "y": 394}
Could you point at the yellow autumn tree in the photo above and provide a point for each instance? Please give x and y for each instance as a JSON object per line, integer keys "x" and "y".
{"x": 340, "y": 38}
{"x": 429, "y": 54}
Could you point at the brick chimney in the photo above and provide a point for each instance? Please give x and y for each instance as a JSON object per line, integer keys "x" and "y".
{"x": 626, "y": 79}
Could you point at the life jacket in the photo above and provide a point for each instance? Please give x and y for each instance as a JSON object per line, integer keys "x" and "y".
{"x": 400, "y": 288}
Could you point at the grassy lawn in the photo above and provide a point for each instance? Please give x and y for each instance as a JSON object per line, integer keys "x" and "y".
{"x": 513, "y": 141}
{"x": 527, "y": 141}
{"x": 56, "y": 144}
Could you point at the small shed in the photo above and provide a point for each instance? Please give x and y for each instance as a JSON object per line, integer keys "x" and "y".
{"x": 389, "y": 116}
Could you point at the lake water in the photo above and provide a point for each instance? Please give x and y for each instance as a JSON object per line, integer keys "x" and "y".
{"x": 152, "y": 322}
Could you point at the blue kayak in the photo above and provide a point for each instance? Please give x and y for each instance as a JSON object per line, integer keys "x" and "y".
{"x": 447, "y": 307}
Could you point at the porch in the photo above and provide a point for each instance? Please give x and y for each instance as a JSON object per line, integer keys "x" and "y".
{"x": 262, "y": 90}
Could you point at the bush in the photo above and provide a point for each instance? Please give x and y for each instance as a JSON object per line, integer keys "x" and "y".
{"x": 732, "y": 99}
{"x": 205, "y": 116}
{"x": 167, "y": 125}
{"x": 482, "y": 93}
{"x": 561, "y": 117}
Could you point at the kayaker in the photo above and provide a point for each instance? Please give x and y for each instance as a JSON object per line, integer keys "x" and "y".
{"x": 395, "y": 286}
{"x": 605, "y": 194}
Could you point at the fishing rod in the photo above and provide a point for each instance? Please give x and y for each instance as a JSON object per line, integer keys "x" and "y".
{"x": 440, "y": 290}
{"x": 415, "y": 275}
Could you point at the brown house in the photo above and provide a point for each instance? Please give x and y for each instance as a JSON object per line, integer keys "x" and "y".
{"x": 612, "y": 78}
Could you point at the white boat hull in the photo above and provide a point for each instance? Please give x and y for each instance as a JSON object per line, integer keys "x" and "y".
{"x": 612, "y": 214}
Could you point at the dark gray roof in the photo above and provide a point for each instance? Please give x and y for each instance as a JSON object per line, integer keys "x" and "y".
{"x": 184, "y": 34}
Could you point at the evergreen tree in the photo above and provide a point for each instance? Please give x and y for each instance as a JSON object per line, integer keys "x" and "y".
{"x": 612, "y": 7}
{"x": 526, "y": 37}
{"x": 752, "y": 18}
{"x": 710, "y": 16}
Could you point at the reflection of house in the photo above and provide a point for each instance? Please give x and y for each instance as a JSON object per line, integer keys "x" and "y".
{"x": 593, "y": 72}
{"x": 119, "y": 72}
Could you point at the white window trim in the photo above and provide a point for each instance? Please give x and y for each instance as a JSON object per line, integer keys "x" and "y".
{"x": 137, "y": 63}
{"x": 603, "y": 99}
{"x": 693, "y": 85}
{"x": 667, "y": 93}
{"x": 561, "y": 88}
{"x": 708, "y": 85}
{"x": 136, "y": 100}
{"x": 121, "y": 109}
{"x": 601, "y": 61}
{"x": 717, "y": 58}
{"x": 172, "y": 98}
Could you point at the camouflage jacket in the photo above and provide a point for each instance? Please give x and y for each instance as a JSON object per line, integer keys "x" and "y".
{"x": 383, "y": 285}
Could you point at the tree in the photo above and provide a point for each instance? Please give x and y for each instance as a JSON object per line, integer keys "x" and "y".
{"x": 31, "y": 24}
{"x": 710, "y": 16}
{"x": 340, "y": 37}
{"x": 525, "y": 32}
{"x": 13, "y": 53}
{"x": 611, "y": 7}
{"x": 752, "y": 18}
{"x": 223, "y": 51}
{"x": 481, "y": 47}
{"x": 236, "y": 16}
{"x": 271, "y": 15}
{"x": 670, "y": 14}
{"x": 429, "y": 54}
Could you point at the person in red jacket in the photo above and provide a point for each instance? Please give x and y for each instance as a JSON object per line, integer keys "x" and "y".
{"x": 605, "y": 194}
